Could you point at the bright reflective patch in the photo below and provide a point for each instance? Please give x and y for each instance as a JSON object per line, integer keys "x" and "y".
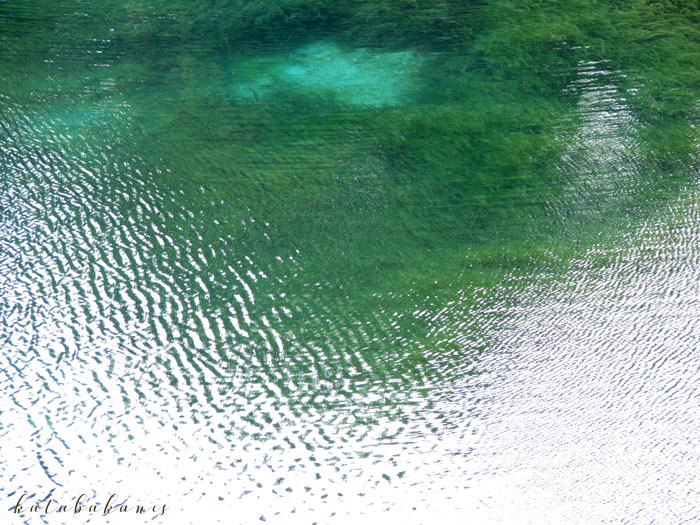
{"x": 359, "y": 76}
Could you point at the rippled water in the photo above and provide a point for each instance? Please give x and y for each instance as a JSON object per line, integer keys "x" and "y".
{"x": 307, "y": 263}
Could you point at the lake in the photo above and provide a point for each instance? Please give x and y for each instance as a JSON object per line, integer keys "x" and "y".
{"x": 326, "y": 262}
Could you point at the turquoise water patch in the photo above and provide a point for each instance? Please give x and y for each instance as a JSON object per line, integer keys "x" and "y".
{"x": 80, "y": 118}
{"x": 358, "y": 76}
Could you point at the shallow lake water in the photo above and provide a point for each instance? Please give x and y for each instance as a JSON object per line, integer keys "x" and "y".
{"x": 289, "y": 262}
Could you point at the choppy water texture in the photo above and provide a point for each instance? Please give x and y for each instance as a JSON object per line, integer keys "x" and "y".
{"x": 431, "y": 262}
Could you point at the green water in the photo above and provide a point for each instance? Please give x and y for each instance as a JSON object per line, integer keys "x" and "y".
{"x": 322, "y": 262}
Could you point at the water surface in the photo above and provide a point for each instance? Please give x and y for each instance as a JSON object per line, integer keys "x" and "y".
{"x": 308, "y": 263}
